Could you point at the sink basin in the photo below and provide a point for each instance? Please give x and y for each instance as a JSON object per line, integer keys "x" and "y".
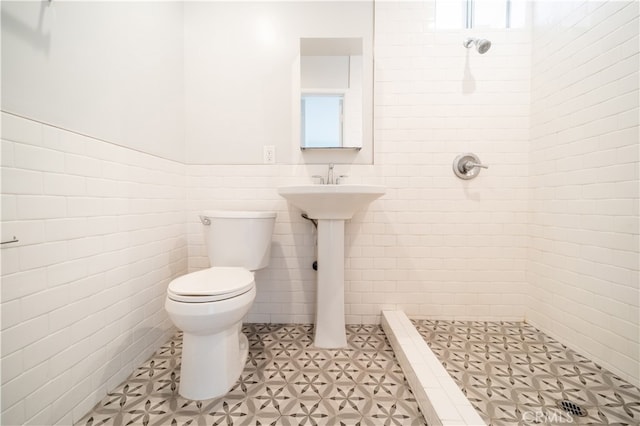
{"x": 331, "y": 201}
{"x": 331, "y": 205}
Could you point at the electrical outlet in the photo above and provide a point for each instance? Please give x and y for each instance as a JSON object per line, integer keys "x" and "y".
{"x": 269, "y": 154}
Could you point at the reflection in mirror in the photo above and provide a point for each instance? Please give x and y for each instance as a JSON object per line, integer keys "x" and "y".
{"x": 321, "y": 116}
{"x": 331, "y": 93}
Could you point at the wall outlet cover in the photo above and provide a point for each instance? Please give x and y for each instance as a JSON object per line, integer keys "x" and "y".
{"x": 269, "y": 154}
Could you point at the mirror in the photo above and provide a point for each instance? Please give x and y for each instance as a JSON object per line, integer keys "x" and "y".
{"x": 333, "y": 109}
{"x": 331, "y": 101}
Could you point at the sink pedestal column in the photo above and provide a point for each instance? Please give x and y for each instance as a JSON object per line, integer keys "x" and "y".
{"x": 331, "y": 205}
{"x": 330, "y": 321}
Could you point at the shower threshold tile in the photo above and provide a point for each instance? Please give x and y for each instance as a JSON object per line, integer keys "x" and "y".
{"x": 513, "y": 374}
{"x": 286, "y": 381}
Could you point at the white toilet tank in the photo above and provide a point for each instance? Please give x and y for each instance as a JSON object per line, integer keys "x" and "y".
{"x": 238, "y": 238}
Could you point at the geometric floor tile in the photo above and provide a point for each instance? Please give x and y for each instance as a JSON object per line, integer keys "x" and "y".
{"x": 513, "y": 374}
{"x": 286, "y": 381}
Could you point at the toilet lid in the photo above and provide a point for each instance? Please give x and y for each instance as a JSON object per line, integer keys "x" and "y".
{"x": 211, "y": 284}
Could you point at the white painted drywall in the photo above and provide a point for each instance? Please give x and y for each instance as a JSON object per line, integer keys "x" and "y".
{"x": 242, "y": 74}
{"x": 110, "y": 70}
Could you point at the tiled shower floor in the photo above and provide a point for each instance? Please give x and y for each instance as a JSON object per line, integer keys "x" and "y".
{"x": 285, "y": 382}
{"x": 514, "y": 374}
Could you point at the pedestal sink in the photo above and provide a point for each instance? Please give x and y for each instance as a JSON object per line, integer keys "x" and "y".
{"x": 331, "y": 205}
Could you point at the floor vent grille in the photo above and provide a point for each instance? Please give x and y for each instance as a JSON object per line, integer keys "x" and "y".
{"x": 572, "y": 408}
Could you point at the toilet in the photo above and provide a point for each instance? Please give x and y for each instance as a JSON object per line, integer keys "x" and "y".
{"x": 209, "y": 305}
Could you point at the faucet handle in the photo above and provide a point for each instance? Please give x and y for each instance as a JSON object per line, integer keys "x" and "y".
{"x": 330, "y": 180}
{"x": 319, "y": 177}
{"x": 340, "y": 178}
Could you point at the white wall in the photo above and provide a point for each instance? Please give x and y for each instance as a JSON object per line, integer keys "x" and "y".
{"x": 242, "y": 74}
{"x": 101, "y": 232}
{"x": 455, "y": 249}
{"x": 434, "y": 246}
{"x": 111, "y": 70}
{"x": 583, "y": 256}
{"x": 92, "y": 100}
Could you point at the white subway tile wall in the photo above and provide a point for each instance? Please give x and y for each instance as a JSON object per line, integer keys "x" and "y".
{"x": 101, "y": 233}
{"x": 584, "y": 177}
{"x": 434, "y": 246}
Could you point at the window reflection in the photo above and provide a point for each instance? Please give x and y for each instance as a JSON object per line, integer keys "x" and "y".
{"x": 321, "y": 120}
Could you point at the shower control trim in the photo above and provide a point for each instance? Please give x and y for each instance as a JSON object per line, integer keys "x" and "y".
{"x": 467, "y": 166}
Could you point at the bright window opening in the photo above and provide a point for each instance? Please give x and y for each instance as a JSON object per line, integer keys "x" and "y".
{"x": 480, "y": 14}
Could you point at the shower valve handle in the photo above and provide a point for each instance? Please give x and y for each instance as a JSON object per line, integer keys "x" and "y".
{"x": 467, "y": 166}
{"x": 470, "y": 165}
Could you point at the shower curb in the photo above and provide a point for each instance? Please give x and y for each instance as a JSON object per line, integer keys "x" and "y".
{"x": 439, "y": 398}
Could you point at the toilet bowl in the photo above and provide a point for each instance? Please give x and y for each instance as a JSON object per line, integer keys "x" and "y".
{"x": 209, "y": 305}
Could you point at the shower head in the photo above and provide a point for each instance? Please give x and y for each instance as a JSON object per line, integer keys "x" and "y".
{"x": 482, "y": 45}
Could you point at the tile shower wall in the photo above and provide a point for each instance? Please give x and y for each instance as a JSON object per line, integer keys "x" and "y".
{"x": 434, "y": 246}
{"x": 583, "y": 268}
{"x": 456, "y": 247}
{"x": 101, "y": 232}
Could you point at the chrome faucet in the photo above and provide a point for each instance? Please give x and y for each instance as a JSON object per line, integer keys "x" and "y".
{"x": 330, "y": 175}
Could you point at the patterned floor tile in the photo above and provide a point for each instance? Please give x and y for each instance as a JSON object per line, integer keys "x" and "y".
{"x": 514, "y": 374}
{"x": 286, "y": 381}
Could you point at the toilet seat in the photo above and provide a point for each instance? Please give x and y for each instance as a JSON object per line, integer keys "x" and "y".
{"x": 210, "y": 285}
